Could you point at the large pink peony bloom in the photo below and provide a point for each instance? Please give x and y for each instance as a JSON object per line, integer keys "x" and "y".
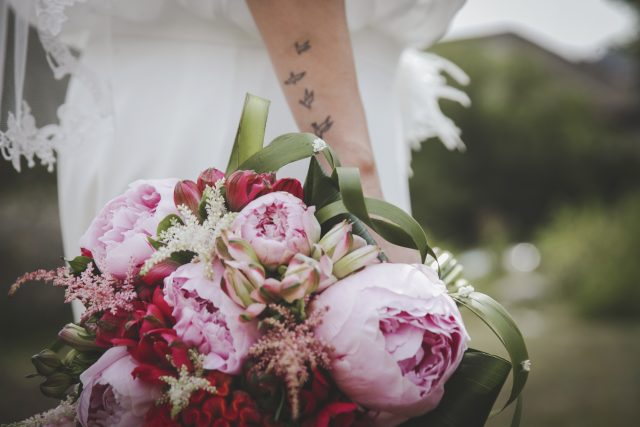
{"x": 278, "y": 225}
{"x": 398, "y": 337}
{"x": 208, "y": 319}
{"x": 111, "y": 396}
{"x": 117, "y": 237}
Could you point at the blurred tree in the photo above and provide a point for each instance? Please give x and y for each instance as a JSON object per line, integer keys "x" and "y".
{"x": 590, "y": 252}
{"x": 538, "y": 136}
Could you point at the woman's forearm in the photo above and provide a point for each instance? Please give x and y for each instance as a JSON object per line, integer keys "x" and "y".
{"x": 309, "y": 45}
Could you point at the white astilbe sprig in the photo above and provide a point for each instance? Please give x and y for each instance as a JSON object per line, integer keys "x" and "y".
{"x": 191, "y": 235}
{"x": 62, "y": 415}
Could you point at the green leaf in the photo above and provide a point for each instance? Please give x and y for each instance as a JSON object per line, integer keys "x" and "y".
{"x": 469, "y": 394}
{"x": 390, "y": 222}
{"x": 286, "y": 149}
{"x": 166, "y": 223}
{"x": 79, "y": 264}
{"x": 283, "y": 150}
{"x": 319, "y": 189}
{"x": 155, "y": 244}
{"x": 496, "y": 317}
{"x": 250, "y": 136}
{"x": 183, "y": 257}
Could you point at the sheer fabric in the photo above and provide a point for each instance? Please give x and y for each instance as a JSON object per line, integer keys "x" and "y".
{"x": 157, "y": 87}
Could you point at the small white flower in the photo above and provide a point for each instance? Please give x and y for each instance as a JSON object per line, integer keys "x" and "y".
{"x": 319, "y": 145}
{"x": 193, "y": 236}
{"x": 526, "y": 365}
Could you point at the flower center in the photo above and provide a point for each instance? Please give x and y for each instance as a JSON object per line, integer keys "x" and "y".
{"x": 104, "y": 409}
{"x": 420, "y": 347}
{"x": 273, "y": 223}
{"x": 149, "y": 197}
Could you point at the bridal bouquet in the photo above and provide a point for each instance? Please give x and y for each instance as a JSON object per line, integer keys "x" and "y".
{"x": 240, "y": 299}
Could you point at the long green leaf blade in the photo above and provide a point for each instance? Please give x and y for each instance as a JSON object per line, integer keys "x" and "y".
{"x": 496, "y": 317}
{"x": 250, "y": 135}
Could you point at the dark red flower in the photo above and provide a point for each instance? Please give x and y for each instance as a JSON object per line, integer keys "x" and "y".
{"x": 290, "y": 185}
{"x": 226, "y": 407}
{"x": 244, "y": 186}
{"x": 127, "y": 327}
{"x": 186, "y": 193}
{"x": 86, "y": 252}
{"x": 323, "y": 405}
{"x": 160, "y": 416}
{"x": 209, "y": 177}
{"x": 159, "y": 271}
{"x": 151, "y": 353}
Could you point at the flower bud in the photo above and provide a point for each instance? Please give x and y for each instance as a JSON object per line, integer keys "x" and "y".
{"x": 230, "y": 248}
{"x": 240, "y": 280}
{"x": 46, "y": 362}
{"x": 77, "y": 337}
{"x": 244, "y": 186}
{"x": 303, "y": 276}
{"x": 300, "y": 280}
{"x": 56, "y": 385}
{"x": 290, "y": 185}
{"x": 209, "y": 177}
{"x": 253, "y": 311}
{"x": 186, "y": 193}
{"x": 77, "y": 362}
{"x": 338, "y": 241}
{"x": 356, "y": 260}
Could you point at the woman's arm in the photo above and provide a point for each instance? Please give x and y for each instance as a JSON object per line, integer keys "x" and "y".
{"x": 308, "y": 42}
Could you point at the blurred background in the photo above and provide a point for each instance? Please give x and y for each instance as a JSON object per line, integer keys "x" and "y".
{"x": 543, "y": 208}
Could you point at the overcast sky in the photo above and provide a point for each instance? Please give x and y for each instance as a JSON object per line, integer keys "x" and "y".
{"x": 577, "y": 29}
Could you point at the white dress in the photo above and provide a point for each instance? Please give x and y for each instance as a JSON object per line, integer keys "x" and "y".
{"x": 159, "y": 86}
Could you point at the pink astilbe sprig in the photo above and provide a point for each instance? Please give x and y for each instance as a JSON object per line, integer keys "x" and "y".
{"x": 98, "y": 292}
{"x": 290, "y": 350}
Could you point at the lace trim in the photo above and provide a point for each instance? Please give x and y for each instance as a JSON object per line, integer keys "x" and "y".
{"x": 50, "y": 15}
{"x": 422, "y": 83}
{"x": 22, "y": 137}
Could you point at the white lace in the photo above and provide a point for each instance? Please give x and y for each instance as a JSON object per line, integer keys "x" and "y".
{"x": 422, "y": 83}
{"x": 23, "y": 138}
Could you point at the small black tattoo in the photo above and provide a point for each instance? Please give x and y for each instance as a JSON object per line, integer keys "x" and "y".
{"x": 322, "y": 128}
{"x": 294, "y": 77}
{"x": 307, "y": 99}
{"x": 302, "y": 47}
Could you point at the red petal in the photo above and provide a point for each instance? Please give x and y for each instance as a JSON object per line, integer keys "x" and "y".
{"x": 290, "y": 185}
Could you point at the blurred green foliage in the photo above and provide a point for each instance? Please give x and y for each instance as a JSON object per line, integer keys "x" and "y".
{"x": 591, "y": 253}
{"x": 537, "y": 139}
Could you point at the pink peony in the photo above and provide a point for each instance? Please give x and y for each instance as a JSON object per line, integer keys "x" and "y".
{"x": 208, "y": 319}
{"x": 278, "y": 226}
{"x": 398, "y": 337}
{"x": 117, "y": 237}
{"x": 111, "y": 396}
